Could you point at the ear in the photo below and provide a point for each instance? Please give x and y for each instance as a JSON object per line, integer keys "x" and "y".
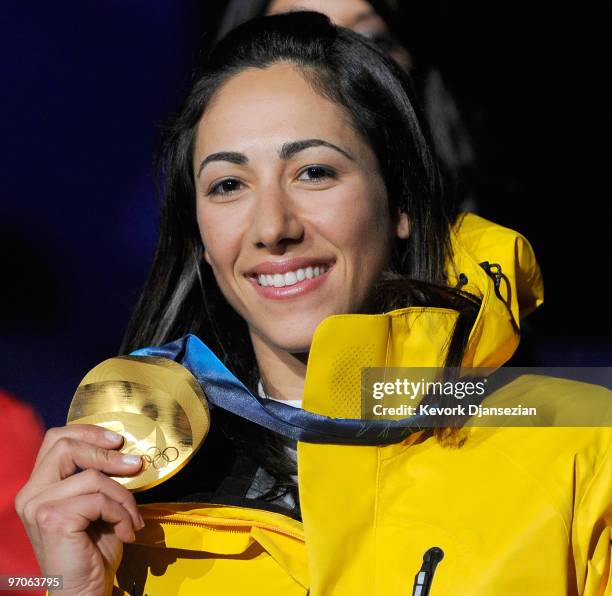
{"x": 205, "y": 254}
{"x": 402, "y": 228}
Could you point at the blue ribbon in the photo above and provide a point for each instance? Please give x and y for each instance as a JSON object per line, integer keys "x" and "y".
{"x": 225, "y": 391}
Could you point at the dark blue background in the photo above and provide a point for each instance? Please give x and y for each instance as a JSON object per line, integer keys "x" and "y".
{"x": 87, "y": 84}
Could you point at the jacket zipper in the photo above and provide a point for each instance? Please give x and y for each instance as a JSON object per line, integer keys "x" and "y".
{"x": 424, "y": 577}
{"x": 220, "y": 526}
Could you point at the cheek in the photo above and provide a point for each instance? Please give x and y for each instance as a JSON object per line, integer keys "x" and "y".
{"x": 221, "y": 242}
{"x": 361, "y": 217}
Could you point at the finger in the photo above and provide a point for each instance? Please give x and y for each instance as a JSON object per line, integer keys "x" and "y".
{"x": 68, "y": 455}
{"x": 87, "y": 482}
{"x": 69, "y": 517}
{"x": 89, "y": 433}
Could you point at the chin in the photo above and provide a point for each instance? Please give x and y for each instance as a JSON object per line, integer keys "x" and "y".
{"x": 298, "y": 344}
{"x": 293, "y": 334}
{"x": 297, "y": 341}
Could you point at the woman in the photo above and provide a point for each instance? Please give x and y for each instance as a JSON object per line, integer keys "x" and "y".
{"x": 299, "y": 186}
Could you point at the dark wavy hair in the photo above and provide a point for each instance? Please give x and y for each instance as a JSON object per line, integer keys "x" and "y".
{"x": 181, "y": 295}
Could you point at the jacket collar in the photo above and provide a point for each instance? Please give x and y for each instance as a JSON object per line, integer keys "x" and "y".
{"x": 501, "y": 270}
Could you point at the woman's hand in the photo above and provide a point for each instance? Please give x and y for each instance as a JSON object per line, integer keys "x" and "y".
{"x": 78, "y": 522}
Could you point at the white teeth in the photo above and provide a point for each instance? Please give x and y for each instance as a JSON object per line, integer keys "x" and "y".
{"x": 280, "y": 280}
{"x": 290, "y": 278}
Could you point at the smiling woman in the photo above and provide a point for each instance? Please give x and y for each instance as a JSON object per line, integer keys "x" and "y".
{"x": 299, "y": 156}
{"x": 304, "y": 236}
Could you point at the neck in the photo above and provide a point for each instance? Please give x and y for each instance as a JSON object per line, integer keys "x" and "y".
{"x": 282, "y": 373}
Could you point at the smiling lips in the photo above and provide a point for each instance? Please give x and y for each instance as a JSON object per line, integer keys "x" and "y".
{"x": 288, "y": 279}
{"x": 280, "y": 280}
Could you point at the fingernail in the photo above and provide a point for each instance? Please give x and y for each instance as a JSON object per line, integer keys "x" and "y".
{"x": 142, "y": 524}
{"x": 109, "y": 435}
{"x": 131, "y": 460}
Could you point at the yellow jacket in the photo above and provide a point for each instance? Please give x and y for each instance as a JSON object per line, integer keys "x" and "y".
{"x": 517, "y": 511}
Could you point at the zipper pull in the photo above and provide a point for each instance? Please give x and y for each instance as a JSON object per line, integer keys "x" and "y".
{"x": 424, "y": 577}
{"x": 494, "y": 271}
{"x": 461, "y": 281}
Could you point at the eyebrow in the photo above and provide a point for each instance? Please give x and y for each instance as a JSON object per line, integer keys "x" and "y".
{"x": 232, "y": 156}
{"x": 287, "y": 151}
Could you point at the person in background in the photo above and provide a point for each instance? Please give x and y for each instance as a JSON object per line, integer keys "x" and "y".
{"x": 21, "y": 439}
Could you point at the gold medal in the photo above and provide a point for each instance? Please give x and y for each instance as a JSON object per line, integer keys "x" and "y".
{"x": 156, "y": 404}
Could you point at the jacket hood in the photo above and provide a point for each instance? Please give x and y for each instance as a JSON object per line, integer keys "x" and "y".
{"x": 501, "y": 269}
{"x": 494, "y": 263}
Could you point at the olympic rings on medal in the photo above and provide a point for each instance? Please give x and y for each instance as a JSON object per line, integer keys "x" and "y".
{"x": 158, "y": 458}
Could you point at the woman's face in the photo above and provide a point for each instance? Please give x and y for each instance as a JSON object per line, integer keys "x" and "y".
{"x": 291, "y": 206}
{"x": 358, "y": 15}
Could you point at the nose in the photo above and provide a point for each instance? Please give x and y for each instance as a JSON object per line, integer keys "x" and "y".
{"x": 276, "y": 223}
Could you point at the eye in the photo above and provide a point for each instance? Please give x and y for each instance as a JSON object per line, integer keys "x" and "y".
{"x": 228, "y": 186}
{"x": 316, "y": 174}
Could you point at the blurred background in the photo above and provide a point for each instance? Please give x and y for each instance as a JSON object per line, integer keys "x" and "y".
{"x": 87, "y": 84}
